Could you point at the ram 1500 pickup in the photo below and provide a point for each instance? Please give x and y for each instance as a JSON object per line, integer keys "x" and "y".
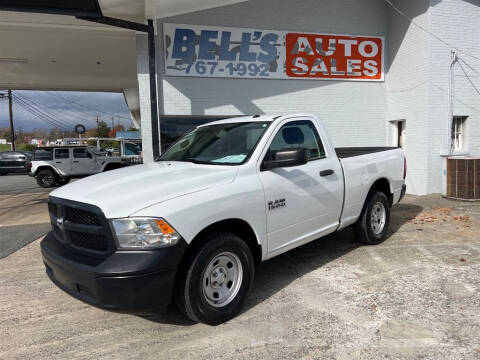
{"x": 188, "y": 228}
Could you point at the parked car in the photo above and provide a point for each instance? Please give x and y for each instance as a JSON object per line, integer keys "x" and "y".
{"x": 14, "y": 162}
{"x": 190, "y": 227}
{"x": 55, "y": 166}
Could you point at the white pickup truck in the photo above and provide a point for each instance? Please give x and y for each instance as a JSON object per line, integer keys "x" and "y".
{"x": 189, "y": 228}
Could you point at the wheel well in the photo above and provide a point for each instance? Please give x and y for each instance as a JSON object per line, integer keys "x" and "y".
{"x": 235, "y": 226}
{"x": 383, "y": 185}
{"x": 44, "y": 167}
{"x": 112, "y": 167}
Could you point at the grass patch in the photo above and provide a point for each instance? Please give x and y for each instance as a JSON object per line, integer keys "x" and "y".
{"x": 20, "y": 147}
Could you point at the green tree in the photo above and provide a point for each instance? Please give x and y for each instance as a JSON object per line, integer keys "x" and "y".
{"x": 102, "y": 129}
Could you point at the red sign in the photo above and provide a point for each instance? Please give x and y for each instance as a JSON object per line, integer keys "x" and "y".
{"x": 333, "y": 56}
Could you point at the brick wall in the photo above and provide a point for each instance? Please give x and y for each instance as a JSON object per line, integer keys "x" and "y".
{"x": 458, "y": 23}
{"x": 407, "y": 86}
{"x": 354, "y": 112}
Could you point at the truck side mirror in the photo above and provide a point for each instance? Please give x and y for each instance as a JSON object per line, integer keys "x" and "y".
{"x": 286, "y": 158}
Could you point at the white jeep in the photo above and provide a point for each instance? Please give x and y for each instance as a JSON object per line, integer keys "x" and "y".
{"x": 55, "y": 166}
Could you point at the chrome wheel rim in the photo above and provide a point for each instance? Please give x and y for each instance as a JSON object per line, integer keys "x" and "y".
{"x": 378, "y": 218}
{"x": 222, "y": 279}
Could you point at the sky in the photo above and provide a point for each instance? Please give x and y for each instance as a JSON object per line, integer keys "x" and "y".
{"x": 63, "y": 109}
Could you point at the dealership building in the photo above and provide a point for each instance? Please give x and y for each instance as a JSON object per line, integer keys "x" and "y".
{"x": 377, "y": 72}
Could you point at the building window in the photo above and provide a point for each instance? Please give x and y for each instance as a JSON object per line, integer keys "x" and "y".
{"x": 174, "y": 126}
{"x": 458, "y": 133}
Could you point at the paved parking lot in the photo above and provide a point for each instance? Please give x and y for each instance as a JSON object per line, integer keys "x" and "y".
{"x": 23, "y": 212}
{"x": 414, "y": 296}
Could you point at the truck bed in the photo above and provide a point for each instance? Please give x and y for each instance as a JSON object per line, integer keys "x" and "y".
{"x": 346, "y": 152}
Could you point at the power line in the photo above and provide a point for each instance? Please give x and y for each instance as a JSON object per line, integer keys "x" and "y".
{"x": 79, "y": 116}
{"x": 468, "y": 78}
{"x": 39, "y": 110}
{"x": 85, "y": 106}
{"x": 471, "y": 68}
{"x": 34, "y": 112}
{"x": 26, "y": 108}
{"x": 428, "y": 31}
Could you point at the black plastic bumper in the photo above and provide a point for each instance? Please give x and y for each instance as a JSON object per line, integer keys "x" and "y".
{"x": 402, "y": 194}
{"x": 130, "y": 281}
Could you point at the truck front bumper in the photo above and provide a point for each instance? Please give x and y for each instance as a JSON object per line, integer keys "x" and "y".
{"x": 129, "y": 281}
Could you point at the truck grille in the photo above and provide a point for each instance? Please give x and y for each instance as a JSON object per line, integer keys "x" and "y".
{"x": 81, "y": 216}
{"x": 96, "y": 242}
{"x": 81, "y": 227}
{"x": 52, "y": 208}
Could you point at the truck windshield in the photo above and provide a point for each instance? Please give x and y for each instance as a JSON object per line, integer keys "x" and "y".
{"x": 219, "y": 144}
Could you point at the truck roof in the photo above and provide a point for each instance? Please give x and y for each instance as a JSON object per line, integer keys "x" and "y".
{"x": 62, "y": 146}
{"x": 253, "y": 118}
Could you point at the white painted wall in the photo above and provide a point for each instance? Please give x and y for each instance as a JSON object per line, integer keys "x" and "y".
{"x": 144, "y": 96}
{"x": 354, "y": 112}
{"x": 457, "y": 22}
{"x": 407, "y": 85}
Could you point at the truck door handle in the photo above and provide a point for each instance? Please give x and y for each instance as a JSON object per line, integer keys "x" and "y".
{"x": 326, "y": 172}
{"x": 75, "y": 161}
{"x": 58, "y": 162}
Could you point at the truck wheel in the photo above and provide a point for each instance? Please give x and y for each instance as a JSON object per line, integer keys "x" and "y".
{"x": 216, "y": 279}
{"x": 63, "y": 181}
{"x": 46, "y": 178}
{"x": 372, "y": 226}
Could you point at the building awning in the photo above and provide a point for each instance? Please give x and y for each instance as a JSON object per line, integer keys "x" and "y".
{"x": 89, "y": 8}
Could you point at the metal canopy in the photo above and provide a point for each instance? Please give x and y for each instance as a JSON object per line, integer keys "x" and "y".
{"x": 88, "y": 8}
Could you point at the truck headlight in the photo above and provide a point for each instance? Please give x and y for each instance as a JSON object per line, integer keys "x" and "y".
{"x": 144, "y": 233}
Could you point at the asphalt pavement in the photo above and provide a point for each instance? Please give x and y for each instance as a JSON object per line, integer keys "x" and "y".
{"x": 415, "y": 296}
{"x": 23, "y": 212}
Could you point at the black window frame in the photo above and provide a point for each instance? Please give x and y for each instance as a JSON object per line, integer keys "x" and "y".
{"x": 315, "y": 133}
{"x": 80, "y": 157}
{"x": 61, "y": 158}
{"x": 45, "y": 150}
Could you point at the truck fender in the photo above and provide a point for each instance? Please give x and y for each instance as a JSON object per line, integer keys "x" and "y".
{"x": 237, "y": 226}
{"x": 45, "y": 167}
{"x": 383, "y": 185}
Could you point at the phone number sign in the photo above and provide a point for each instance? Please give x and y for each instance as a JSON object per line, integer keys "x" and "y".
{"x": 203, "y": 51}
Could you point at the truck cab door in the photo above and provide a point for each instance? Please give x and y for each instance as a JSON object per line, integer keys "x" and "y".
{"x": 62, "y": 160}
{"x": 83, "y": 162}
{"x": 303, "y": 202}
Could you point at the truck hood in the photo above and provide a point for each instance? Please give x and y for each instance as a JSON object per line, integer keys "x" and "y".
{"x": 122, "y": 192}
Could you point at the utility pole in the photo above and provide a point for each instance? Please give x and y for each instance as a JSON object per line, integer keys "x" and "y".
{"x": 12, "y": 130}
{"x": 113, "y": 125}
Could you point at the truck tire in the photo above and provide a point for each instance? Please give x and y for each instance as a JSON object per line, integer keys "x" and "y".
{"x": 46, "y": 178}
{"x": 63, "y": 181}
{"x": 372, "y": 226}
{"x": 215, "y": 279}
